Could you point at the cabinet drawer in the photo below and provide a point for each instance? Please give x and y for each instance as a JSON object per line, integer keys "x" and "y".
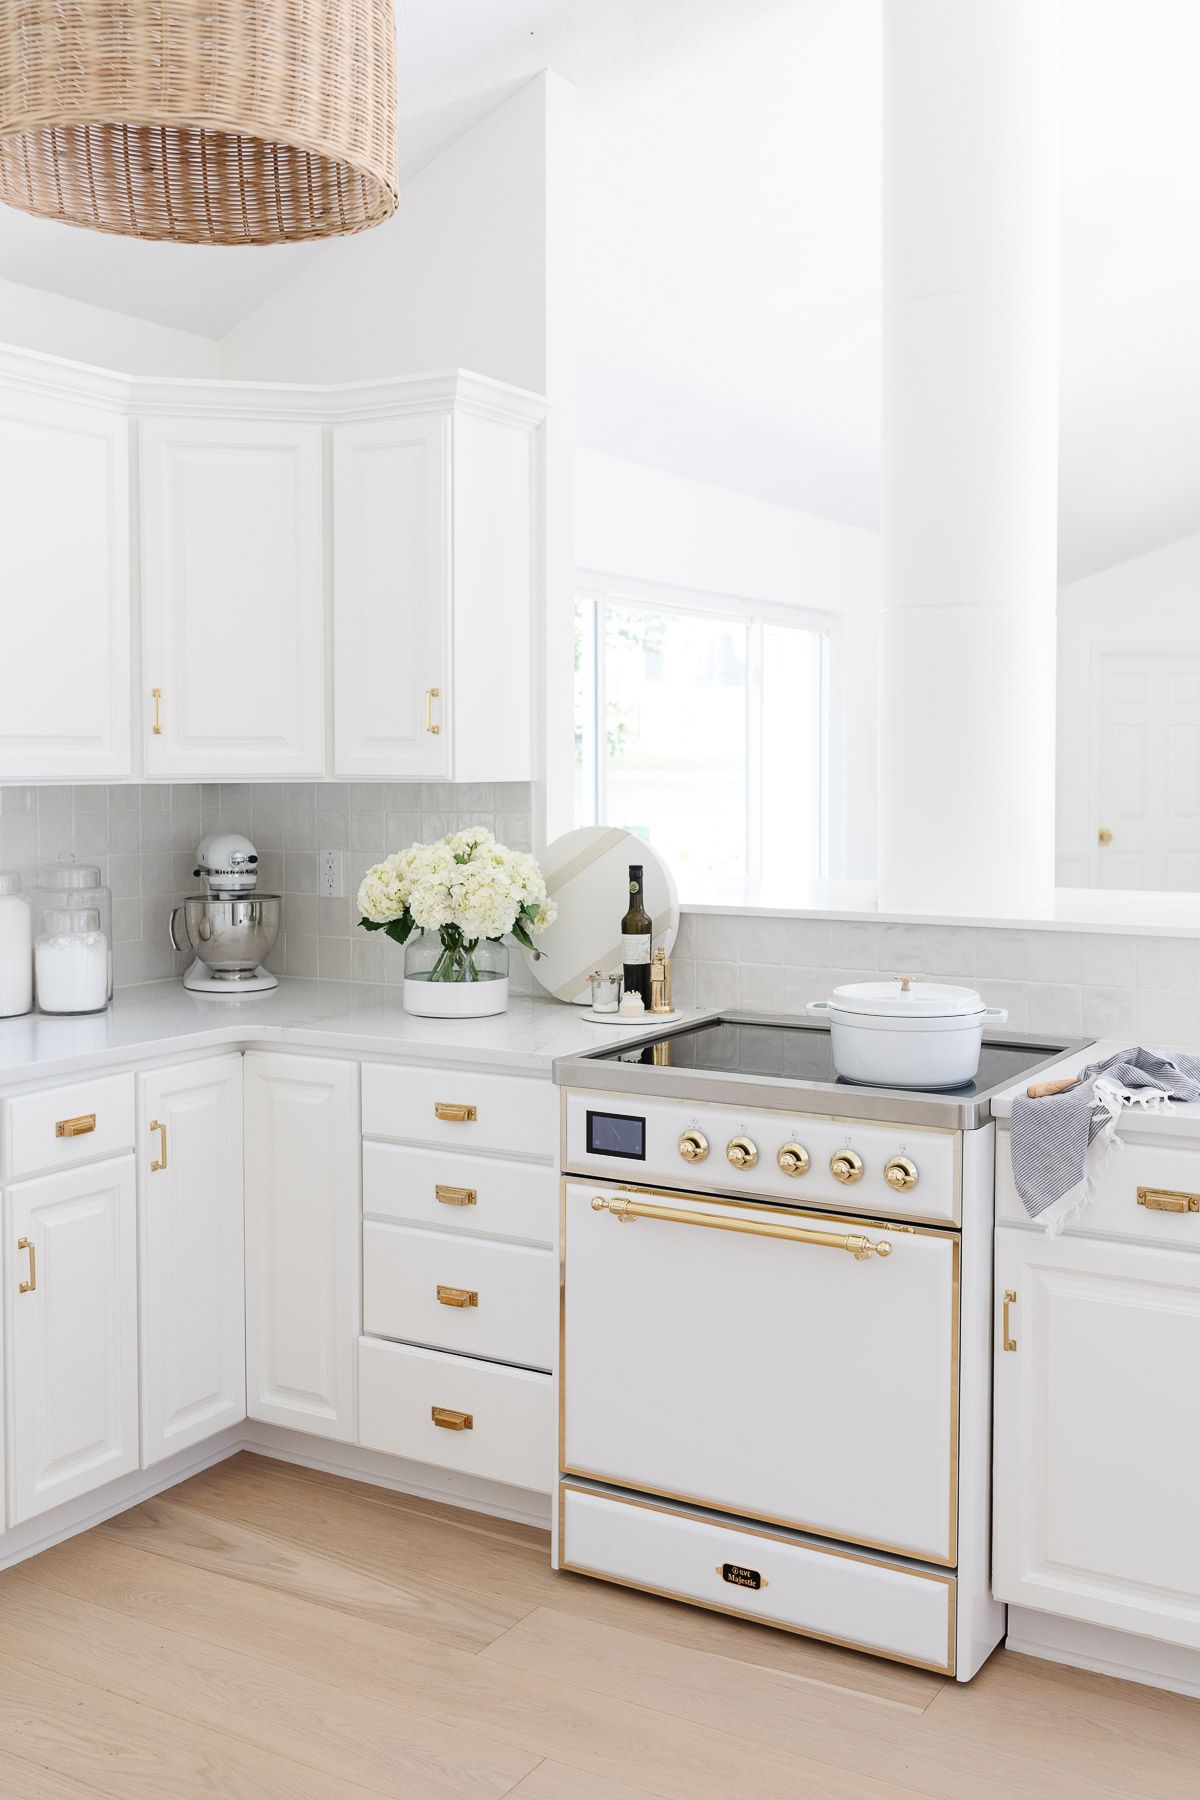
{"x": 1167, "y": 1174}
{"x": 460, "y": 1293}
{"x": 515, "y": 1115}
{"x": 510, "y": 1434}
{"x": 58, "y": 1127}
{"x": 793, "y": 1582}
{"x": 478, "y": 1195}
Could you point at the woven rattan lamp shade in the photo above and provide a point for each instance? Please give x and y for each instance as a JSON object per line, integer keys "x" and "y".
{"x": 200, "y": 121}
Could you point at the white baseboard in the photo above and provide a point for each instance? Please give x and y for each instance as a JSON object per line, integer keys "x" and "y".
{"x": 1105, "y": 1652}
{"x": 394, "y": 1472}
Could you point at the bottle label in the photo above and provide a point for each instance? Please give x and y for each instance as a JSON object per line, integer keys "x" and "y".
{"x": 635, "y": 949}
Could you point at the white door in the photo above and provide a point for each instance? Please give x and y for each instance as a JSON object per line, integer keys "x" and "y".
{"x": 232, "y": 598}
{"x": 1097, "y": 1432}
{"x": 787, "y": 1381}
{"x": 64, "y": 591}
{"x": 302, "y": 1242}
{"x": 190, "y": 1235}
{"x": 1146, "y": 762}
{"x": 391, "y": 604}
{"x": 72, "y": 1375}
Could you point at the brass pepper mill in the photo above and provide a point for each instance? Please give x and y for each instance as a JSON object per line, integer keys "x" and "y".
{"x": 660, "y": 983}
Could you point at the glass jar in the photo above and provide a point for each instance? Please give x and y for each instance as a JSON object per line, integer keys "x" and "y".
{"x": 71, "y": 961}
{"x": 16, "y": 948}
{"x": 447, "y": 976}
{"x": 68, "y": 886}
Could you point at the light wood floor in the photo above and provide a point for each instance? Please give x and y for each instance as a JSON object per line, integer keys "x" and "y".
{"x": 266, "y": 1631}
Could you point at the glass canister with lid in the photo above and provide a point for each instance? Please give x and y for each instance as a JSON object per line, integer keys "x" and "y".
{"x": 73, "y": 938}
{"x": 16, "y": 947}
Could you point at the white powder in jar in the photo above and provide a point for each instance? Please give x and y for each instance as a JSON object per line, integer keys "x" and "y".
{"x": 71, "y": 971}
{"x": 16, "y": 955}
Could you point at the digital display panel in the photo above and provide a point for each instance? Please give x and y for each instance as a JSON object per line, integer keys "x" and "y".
{"x": 616, "y": 1134}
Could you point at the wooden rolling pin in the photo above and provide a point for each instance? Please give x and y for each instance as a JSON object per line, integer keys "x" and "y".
{"x": 1042, "y": 1090}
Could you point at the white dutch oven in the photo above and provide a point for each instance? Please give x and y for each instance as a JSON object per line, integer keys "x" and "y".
{"x": 907, "y": 1033}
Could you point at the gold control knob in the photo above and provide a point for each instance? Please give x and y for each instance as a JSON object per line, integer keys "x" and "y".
{"x": 901, "y": 1173}
{"x": 741, "y": 1152}
{"x": 794, "y": 1159}
{"x": 693, "y": 1146}
{"x": 846, "y": 1166}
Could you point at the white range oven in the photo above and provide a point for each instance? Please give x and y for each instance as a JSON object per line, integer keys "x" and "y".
{"x": 776, "y": 1337}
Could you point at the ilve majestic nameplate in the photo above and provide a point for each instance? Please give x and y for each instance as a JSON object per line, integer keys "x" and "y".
{"x": 740, "y": 1576}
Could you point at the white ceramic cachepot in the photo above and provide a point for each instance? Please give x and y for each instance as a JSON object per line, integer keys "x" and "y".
{"x": 906, "y": 1033}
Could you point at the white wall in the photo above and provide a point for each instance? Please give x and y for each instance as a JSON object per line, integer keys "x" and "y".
{"x": 36, "y": 320}
{"x": 1149, "y": 603}
{"x": 456, "y": 279}
{"x": 643, "y": 524}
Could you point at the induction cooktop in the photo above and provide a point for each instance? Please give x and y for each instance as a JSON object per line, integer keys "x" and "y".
{"x": 788, "y": 1063}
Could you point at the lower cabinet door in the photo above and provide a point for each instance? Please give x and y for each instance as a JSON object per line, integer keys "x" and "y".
{"x": 1097, "y": 1420}
{"x": 302, "y": 1241}
{"x": 72, "y": 1391}
{"x": 193, "y": 1338}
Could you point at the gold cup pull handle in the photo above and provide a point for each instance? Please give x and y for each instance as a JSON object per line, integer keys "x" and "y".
{"x": 450, "y": 1420}
{"x": 453, "y": 1296}
{"x": 76, "y": 1127}
{"x": 156, "y": 696}
{"x": 431, "y": 694}
{"x": 161, "y": 1160}
{"x": 30, "y": 1286}
{"x": 1169, "y": 1200}
{"x": 453, "y": 1112}
{"x": 454, "y": 1196}
{"x": 1010, "y": 1300}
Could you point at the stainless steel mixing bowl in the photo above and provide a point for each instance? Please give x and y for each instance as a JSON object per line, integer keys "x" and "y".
{"x": 230, "y": 937}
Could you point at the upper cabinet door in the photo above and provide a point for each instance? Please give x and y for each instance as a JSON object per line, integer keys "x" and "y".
{"x": 64, "y": 648}
{"x": 391, "y": 541}
{"x": 232, "y": 598}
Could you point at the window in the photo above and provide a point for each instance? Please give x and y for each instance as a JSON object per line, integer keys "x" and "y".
{"x": 700, "y": 726}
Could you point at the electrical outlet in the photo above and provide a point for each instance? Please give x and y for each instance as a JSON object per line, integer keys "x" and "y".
{"x": 332, "y": 883}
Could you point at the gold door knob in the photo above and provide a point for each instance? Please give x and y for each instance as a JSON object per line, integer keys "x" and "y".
{"x": 1104, "y": 835}
{"x": 693, "y": 1146}
{"x": 901, "y": 1173}
{"x": 742, "y": 1153}
{"x": 794, "y": 1159}
{"x": 846, "y": 1166}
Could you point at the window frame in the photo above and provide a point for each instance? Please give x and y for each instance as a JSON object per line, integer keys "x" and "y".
{"x": 602, "y": 590}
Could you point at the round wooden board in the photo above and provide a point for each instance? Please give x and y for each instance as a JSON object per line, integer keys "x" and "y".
{"x": 587, "y": 873}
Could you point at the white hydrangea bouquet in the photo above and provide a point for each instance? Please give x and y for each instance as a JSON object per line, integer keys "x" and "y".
{"x": 472, "y": 892}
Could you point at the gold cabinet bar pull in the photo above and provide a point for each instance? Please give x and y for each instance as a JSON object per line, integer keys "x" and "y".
{"x": 449, "y": 1420}
{"x": 1171, "y": 1200}
{"x": 454, "y": 1196}
{"x": 161, "y": 1162}
{"x": 860, "y": 1247}
{"x": 156, "y": 696}
{"x": 30, "y": 1286}
{"x": 77, "y": 1127}
{"x": 431, "y": 694}
{"x": 452, "y": 1296}
{"x": 453, "y": 1112}
{"x": 1010, "y": 1300}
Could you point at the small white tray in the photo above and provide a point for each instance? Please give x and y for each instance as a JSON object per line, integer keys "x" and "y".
{"x": 628, "y": 1019}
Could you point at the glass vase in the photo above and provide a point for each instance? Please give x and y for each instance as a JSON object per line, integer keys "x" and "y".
{"x": 447, "y": 976}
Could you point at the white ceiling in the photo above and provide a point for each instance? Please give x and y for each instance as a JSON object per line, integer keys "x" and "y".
{"x": 729, "y": 242}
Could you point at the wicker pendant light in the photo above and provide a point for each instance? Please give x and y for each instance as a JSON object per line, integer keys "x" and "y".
{"x": 200, "y": 121}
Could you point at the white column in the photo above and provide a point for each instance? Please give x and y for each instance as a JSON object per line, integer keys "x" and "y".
{"x": 969, "y": 456}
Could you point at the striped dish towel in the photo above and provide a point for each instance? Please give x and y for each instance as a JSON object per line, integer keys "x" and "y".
{"x": 1061, "y": 1142}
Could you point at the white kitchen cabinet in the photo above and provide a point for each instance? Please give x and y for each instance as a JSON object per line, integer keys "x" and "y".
{"x": 71, "y": 1306}
{"x": 190, "y": 1235}
{"x": 233, "y": 598}
{"x": 1097, "y": 1432}
{"x": 64, "y": 527}
{"x": 434, "y": 589}
{"x": 302, "y": 1241}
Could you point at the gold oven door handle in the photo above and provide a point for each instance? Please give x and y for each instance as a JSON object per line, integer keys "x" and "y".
{"x": 30, "y": 1286}
{"x": 861, "y": 1248}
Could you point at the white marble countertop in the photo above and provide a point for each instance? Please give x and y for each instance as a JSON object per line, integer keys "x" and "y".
{"x": 1180, "y": 1119}
{"x": 163, "y": 1019}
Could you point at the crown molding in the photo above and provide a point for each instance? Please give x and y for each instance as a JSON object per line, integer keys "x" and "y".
{"x": 333, "y": 403}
